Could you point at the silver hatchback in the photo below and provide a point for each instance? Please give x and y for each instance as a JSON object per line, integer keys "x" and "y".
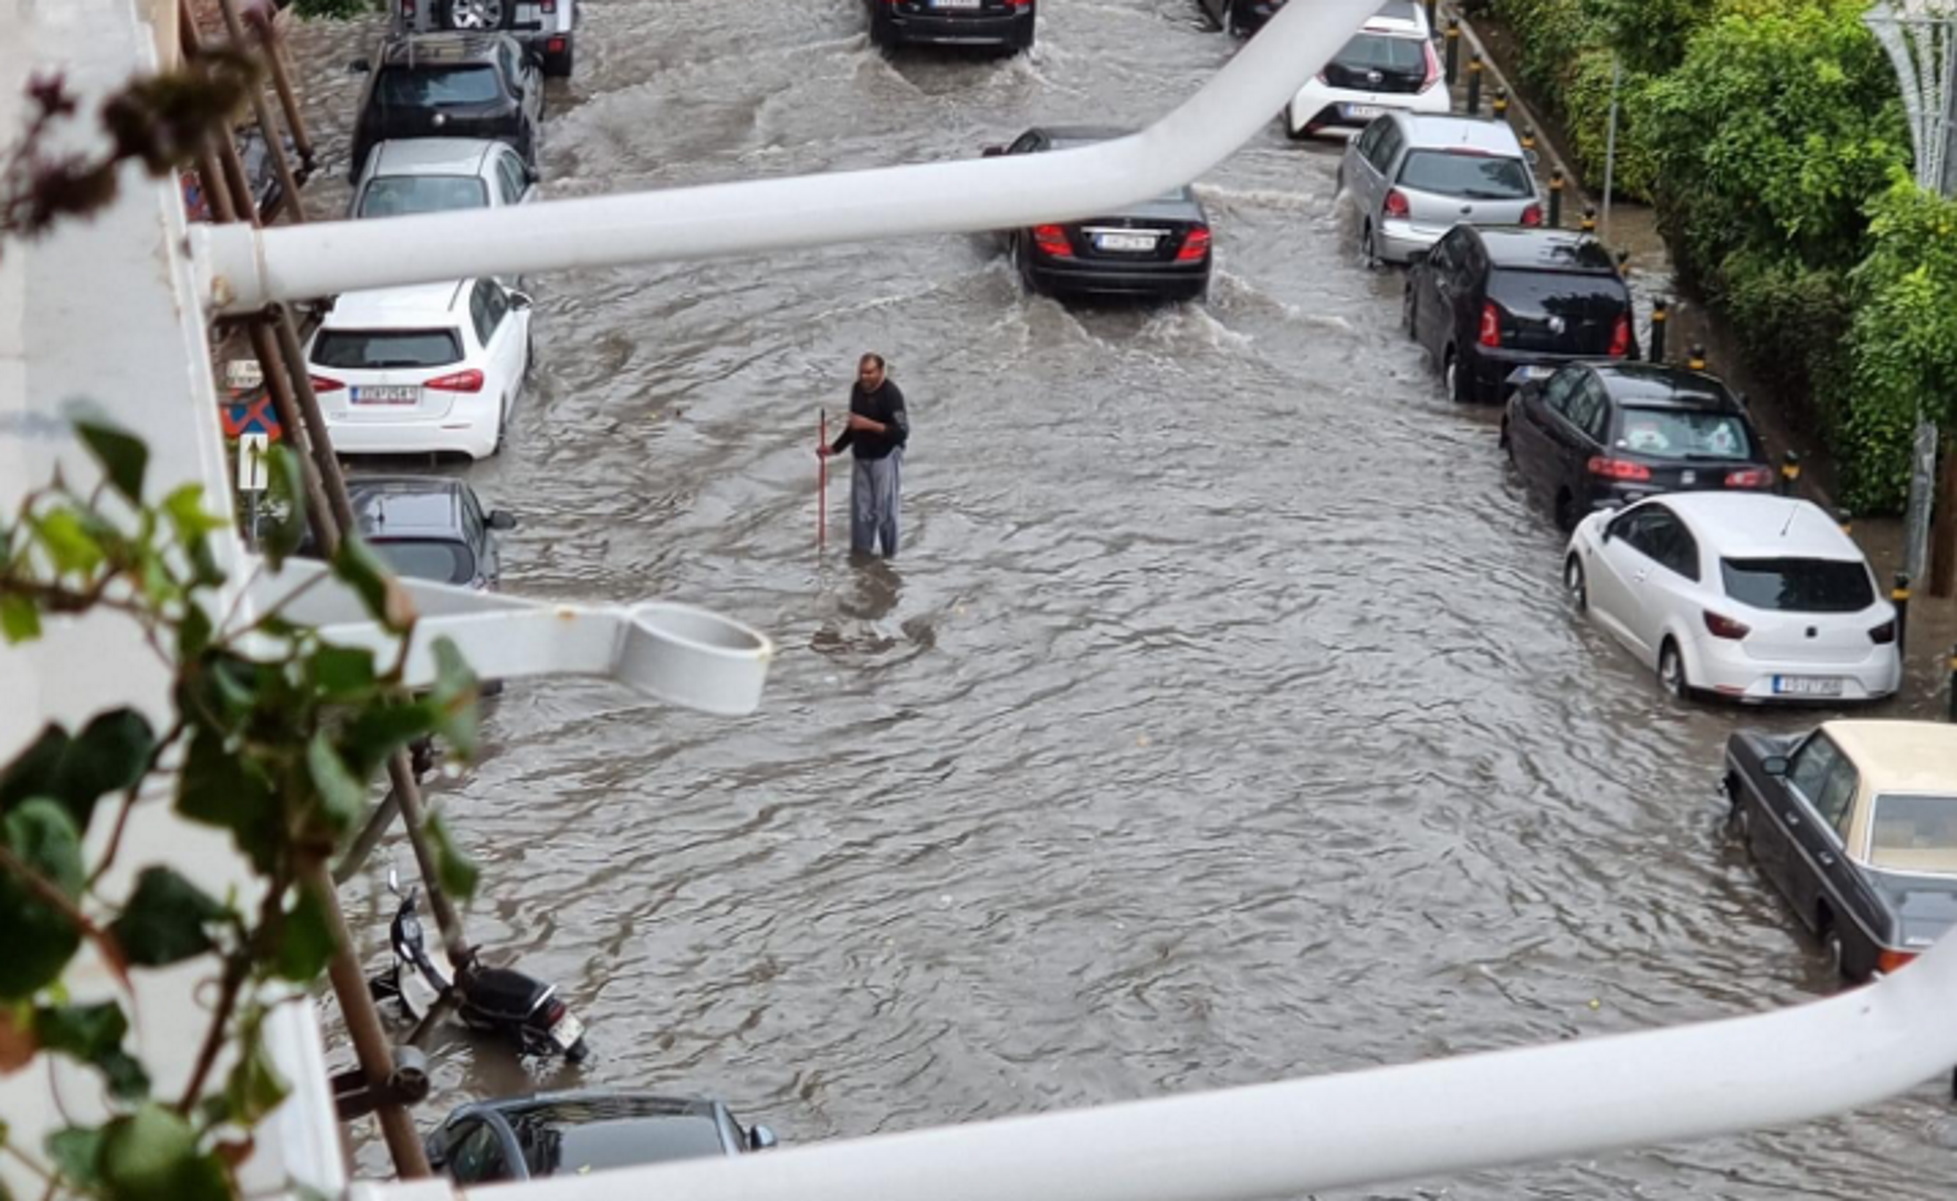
{"x": 1413, "y": 177}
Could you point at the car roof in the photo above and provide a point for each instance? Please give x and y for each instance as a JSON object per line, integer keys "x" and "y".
{"x": 1656, "y": 386}
{"x": 1759, "y": 525}
{"x": 1520, "y": 248}
{"x": 443, "y": 49}
{"x": 408, "y": 305}
{"x": 406, "y": 506}
{"x": 1083, "y": 133}
{"x": 1431, "y": 131}
{"x": 1899, "y": 756}
{"x": 590, "y": 1130}
{"x": 1397, "y": 17}
{"x": 432, "y": 156}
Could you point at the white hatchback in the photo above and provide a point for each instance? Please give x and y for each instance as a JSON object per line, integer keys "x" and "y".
{"x": 1743, "y": 595}
{"x": 406, "y": 176}
{"x": 429, "y": 369}
{"x": 1389, "y": 64}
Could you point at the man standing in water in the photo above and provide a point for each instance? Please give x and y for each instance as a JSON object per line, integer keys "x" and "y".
{"x": 877, "y": 430}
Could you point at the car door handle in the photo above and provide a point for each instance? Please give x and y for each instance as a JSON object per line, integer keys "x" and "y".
{"x": 1827, "y": 860}
{"x": 1793, "y": 819}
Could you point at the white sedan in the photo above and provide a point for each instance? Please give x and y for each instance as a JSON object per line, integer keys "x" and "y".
{"x": 429, "y": 369}
{"x": 1743, "y": 595}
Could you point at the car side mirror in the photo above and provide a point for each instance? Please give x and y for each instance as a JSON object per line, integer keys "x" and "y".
{"x": 1742, "y": 398}
{"x": 394, "y": 881}
{"x": 1774, "y": 765}
{"x": 992, "y": 152}
{"x": 521, "y": 300}
{"x": 359, "y": 66}
{"x": 502, "y": 519}
{"x": 760, "y": 1138}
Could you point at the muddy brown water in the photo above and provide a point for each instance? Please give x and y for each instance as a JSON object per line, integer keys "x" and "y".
{"x": 1221, "y": 722}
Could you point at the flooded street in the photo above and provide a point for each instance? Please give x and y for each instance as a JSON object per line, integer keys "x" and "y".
{"x": 1221, "y": 722}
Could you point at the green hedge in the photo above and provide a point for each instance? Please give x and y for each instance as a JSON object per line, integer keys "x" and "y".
{"x": 1566, "y": 60}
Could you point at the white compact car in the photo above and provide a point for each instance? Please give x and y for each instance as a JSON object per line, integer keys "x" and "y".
{"x": 430, "y": 369}
{"x": 1389, "y": 64}
{"x": 437, "y": 175}
{"x": 1739, "y": 594}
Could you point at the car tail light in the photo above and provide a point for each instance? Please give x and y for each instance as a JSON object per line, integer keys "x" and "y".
{"x": 555, "y": 45}
{"x": 1433, "y": 68}
{"x": 1887, "y": 961}
{"x": 323, "y": 383}
{"x": 1397, "y": 205}
{"x": 1195, "y": 245}
{"x": 1725, "y": 627}
{"x": 1052, "y": 239}
{"x": 1883, "y": 634}
{"x": 461, "y": 381}
{"x": 1620, "y": 336}
{"x": 1619, "y": 469}
{"x": 1752, "y": 477}
{"x": 1532, "y": 216}
{"x": 554, "y": 1009}
{"x": 1491, "y": 324}
{"x": 550, "y": 6}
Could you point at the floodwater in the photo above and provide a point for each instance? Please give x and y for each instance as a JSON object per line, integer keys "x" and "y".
{"x": 1222, "y": 721}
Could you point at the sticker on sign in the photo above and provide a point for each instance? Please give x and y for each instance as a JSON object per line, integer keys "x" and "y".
{"x": 252, "y": 473}
{"x": 242, "y": 375}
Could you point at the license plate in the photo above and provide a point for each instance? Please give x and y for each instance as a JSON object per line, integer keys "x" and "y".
{"x": 1360, "y": 112}
{"x": 566, "y": 1031}
{"x": 1124, "y": 241}
{"x": 387, "y": 394}
{"x": 956, "y": 3}
{"x": 1807, "y": 685}
{"x": 1688, "y": 478}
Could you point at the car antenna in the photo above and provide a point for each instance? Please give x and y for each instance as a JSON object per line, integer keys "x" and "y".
{"x": 1793, "y": 507}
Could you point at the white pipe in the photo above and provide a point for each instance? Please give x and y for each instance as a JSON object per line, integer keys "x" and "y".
{"x": 1439, "y": 1118}
{"x": 246, "y": 268}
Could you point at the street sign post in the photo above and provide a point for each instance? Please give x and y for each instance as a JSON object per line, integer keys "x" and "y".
{"x": 253, "y": 478}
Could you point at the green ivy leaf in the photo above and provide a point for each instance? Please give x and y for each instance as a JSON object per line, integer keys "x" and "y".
{"x": 341, "y": 795}
{"x": 164, "y": 921}
{"x": 254, "y": 1087}
{"x": 454, "y": 870}
{"x": 67, "y": 543}
{"x": 20, "y": 621}
{"x": 386, "y": 601}
{"x": 110, "y": 754}
{"x": 123, "y": 457}
{"x": 93, "y": 1034}
{"x": 151, "y": 1155}
{"x": 287, "y": 528}
{"x": 44, "y": 836}
{"x": 219, "y": 789}
{"x": 193, "y": 633}
{"x": 39, "y": 938}
{"x": 341, "y": 673}
{"x": 381, "y": 729}
{"x": 77, "y": 1155}
{"x": 188, "y": 516}
{"x": 454, "y": 698}
{"x": 33, "y": 771}
{"x": 306, "y": 940}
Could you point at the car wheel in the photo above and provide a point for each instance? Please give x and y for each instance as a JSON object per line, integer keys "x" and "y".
{"x": 1739, "y": 822}
{"x": 1831, "y": 946}
{"x": 502, "y": 427}
{"x": 1338, "y": 180}
{"x": 1408, "y": 310}
{"x": 477, "y": 14}
{"x": 1506, "y": 443}
{"x": 1671, "y": 671}
{"x": 1455, "y": 379}
{"x": 1296, "y": 133}
{"x": 1565, "y": 506}
{"x": 1574, "y": 585}
{"x": 1368, "y": 247}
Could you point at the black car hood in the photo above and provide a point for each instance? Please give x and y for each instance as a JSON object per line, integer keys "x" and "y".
{"x": 1925, "y": 906}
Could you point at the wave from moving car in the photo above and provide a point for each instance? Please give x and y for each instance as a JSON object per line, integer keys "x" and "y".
{"x": 1856, "y": 824}
{"x": 458, "y": 85}
{"x": 1389, "y": 64}
{"x": 575, "y": 1133}
{"x": 1157, "y": 249}
{"x": 1004, "y": 24}
{"x": 1414, "y": 176}
{"x": 1743, "y": 595}
{"x": 1591, "y": 434}
{"x": 428, "y": 369}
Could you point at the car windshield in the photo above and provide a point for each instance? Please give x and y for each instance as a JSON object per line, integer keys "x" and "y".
{"x": 1469, "y": 176}
{"x": 1684, "y": 434}
{"x": 378, "y": 349}
{"x": 434, "y": 87}
{"x": 1914, "y": 834}
{"x": 1383, "y": 52}
{"x": 427, "y": 559}
{"x": 1799, "y": 585}
{"x": 402, "y": 195}
{"x": 575, "y": 1147}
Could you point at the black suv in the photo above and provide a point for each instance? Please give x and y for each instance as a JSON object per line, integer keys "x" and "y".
{"x": 430, "y": 528}
{"x": 1592, "y": 433}
{"x": 1005, "y": 24}
{"x": 1488, "y": 300}
{"x": 572, "y": 1133}
{"x": 1242, "y": 17}
{"x": 450, "y": 85}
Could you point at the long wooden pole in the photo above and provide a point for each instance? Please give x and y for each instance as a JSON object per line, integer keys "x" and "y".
{"x": 822, "y": 483}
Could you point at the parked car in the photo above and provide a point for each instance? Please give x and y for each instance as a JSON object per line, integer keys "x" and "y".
{"x": 1241, "y": 17}
{"x": 573, "y": 1133}
{"x": 547, "y": 28}
{"x": 1486, "y": 302}
{"x": 1006, "y": 24}
{"x": 1389, "y": 64}
{"x": 430, "y": 528}
{"x": 1159, "y": 248}
{"x": 1414, "y": 176}
{"x": 426, "y": 369}
{"x": 437, "y": 175}
{"x": 1611, "y": 433}
{"x": 1744, "y": 595}
{"x": 1856, "y": 824}
{"x": 463, "y": 85}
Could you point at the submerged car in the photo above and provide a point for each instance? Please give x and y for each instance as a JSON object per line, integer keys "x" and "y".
{"x": 430, "y": 528}
{"x": 1158, "y": 249}
{"x": 1856, "y": 824}
{"x": 455, "y": 85}
{"x": 1005, "y": 24}
{"x": 575, "y": 1133}
{"x": 1744, "y": 595}
{"x": 1389, "y": 64}
{"x": 1591, "y": 434}
{"x": 1414, "y": 176}
{"x": 1487, "y": 302}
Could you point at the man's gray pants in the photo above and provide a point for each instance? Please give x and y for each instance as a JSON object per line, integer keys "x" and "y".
{"x": 874, "y": 496}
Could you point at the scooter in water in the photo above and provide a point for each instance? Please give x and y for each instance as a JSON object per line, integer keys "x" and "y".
{"x": 500, "y": 1000}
